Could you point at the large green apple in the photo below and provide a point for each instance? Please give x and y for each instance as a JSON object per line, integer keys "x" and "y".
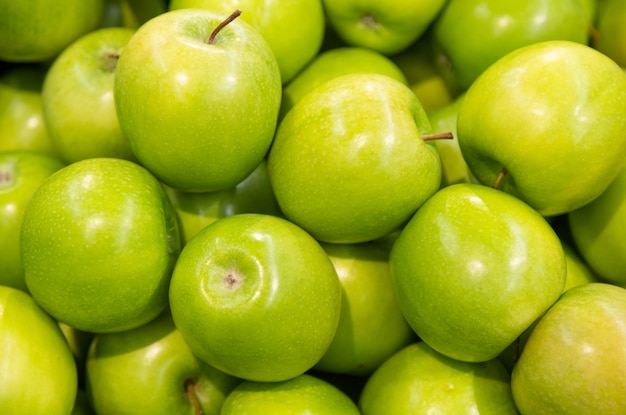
{"x": 371, "y": 327}
{"x": 294, "y": 30}
{"x": 474, "y": 268}
{"x": 386, "y": 27}
{"x": 200, "y": 111}
{"x": 417, "y": 380}
{"x": 99, "y": 240}
{"x": 77, "y": 98}
{"x": 151, "y": 370}
{"x": 575, "y": 357}
{"x": 611, "y": 27}
{"x": 37, "y": 370}
{"x": 21, "y": 173}
{"x": 38, "y": 30}
{"x": 542, "y": 113}
{"x": 256, "y": 296}
{"x": 349, "y": 163}
{"x": 470, "y": 35}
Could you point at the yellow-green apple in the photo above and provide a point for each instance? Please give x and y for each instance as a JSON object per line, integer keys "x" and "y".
{"x": 37, "y": 370}
{"x": 474, "y": 268}
{"x": 131, "y": 13}
{"x": 611, "y": 29}
{"x": 99, "y": 240}
{"x": 151, "y": 370}
{"x": 418, "y": 380}
{"x": 77, "y": 98}
{"x": 294, "y": 30}
{"x": 575, "y": 357}
{"x": 38, "y": 30}
{"x": 534, "y": 115}
{"x": 21, "y": 173}
{"x": 350, "y": 162}
{"x": 256, "y": 296}
{"x": 209, "y": 90}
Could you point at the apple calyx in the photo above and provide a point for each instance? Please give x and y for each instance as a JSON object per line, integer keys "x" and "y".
{"x": 438, "y": 136}
{"x": 7, "y": 176}
{"x": 220, "y": 26}
{"x": 190, "y": 390}
{"x": 369, "y": 22}
{"x": 500, "y": 178}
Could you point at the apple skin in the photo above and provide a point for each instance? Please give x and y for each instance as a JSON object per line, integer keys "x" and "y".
{"x": 192, "y": 131}
{"x": 21, "y": 173}
{"x": 99, "y": 240}
{"x": 77, "y": 98}
{"x": 353, "y": 130}
{"x": 33, "y": 352}
{"x": 419, "y": 380}
{"x": 126, "y": 371}
{"x": 575, "y": 357}
{"x": 470, "y": 35}
{"x": 553, "y": 94}
{"x": 256, "y": 297}
{"x": 38, "y": 30}
{"x": 612, "y": 32}
{"x": 473, "y": 269}
{"x": 294, "y": 30}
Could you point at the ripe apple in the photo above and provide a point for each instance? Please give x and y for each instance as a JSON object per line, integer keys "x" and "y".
{"x": 474, "y": 268}
{"x": 553, "y": 94}
{"x": 151, "y": 370}
{"x": 575, "y": 357}
{"x": 294, "y": 30}
{"x": 611, "y": 30}
{"x": 210, "y": 92}
{"x": 37, "y": 370}
{"x": 38, "y": 30}
{"x": 418, "y": 380}
{"x": 256, "y": 296}
{"x": 349, "y": 162}
{"x": 386, "y": 27}
{"x": 371, "y": 327}
{"x": 470, "y": 35}
{"x": 304, "y": 394}
{"x": 99, "y": 240}
{"x": 21, "y": 173}
{"x": 77, "y": 98}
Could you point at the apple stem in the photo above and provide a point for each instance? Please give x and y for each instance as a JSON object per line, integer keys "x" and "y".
{"x": 438, "y": 136}
{"x": 219, "y": 27}
{"x": 498, "y": 182}
{"x": 110, "y": 61}
{"x": 190, "y": 388}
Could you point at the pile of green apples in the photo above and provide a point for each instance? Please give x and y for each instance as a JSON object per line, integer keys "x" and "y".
{"x": 321, "y": 207}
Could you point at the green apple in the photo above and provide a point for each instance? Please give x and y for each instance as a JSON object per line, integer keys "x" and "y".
{"x": 553, "y": 94}
{"x": 386, "y": 27}
{"x": 38, "y": 30}
{"x": 474, "y": 268}
{"x": 418, "y": 380}
{"x": 371, "y": 327}
{"x": 349, "y": 162}
{"x": 335, "y": 62}
{"x": 611, "y": 29}
{"x": 37, "y": 370}
{"x": 575, "y": 357}
{"x": 131, "y": 13}
{"x": 304, "y": 394}
{"x": 99, "y": 240}
{"x": 294, "y": 30}
{"x": 151, "y": 370}
{"x": 578, "y": 271}
{"x": 470, "y": 35}
{"x": 77, "y": 98}
{"x": 21, "y": 173}
{"x": 597, "y": 231}
{"x": 22, "y": 125}
{"x": 256, "y": 296}
{"x": 197, "y": 210}
{"x": 210, "y": 90}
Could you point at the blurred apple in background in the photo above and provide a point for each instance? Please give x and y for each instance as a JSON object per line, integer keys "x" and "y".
{"x": 611, "y": 29}
{"x": 131, "y": 13}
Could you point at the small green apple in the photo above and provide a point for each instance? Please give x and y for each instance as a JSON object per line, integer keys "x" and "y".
{"x": 256, "y": 296}
{"x": 553, "y": 94}
{"x": 77, "y": 98}
{"x": 418, "y": 380}
{"x": 611, "y": 29}
{"x": 210, "y": 90}
{"x": 99, "y": 240}
{"x": 350, "y": 162}
{"x": 474, "y": 268}
{"x": 151, "y": 370}
{"x": 37, "y": 370}
{"x": 575, "y": 357}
